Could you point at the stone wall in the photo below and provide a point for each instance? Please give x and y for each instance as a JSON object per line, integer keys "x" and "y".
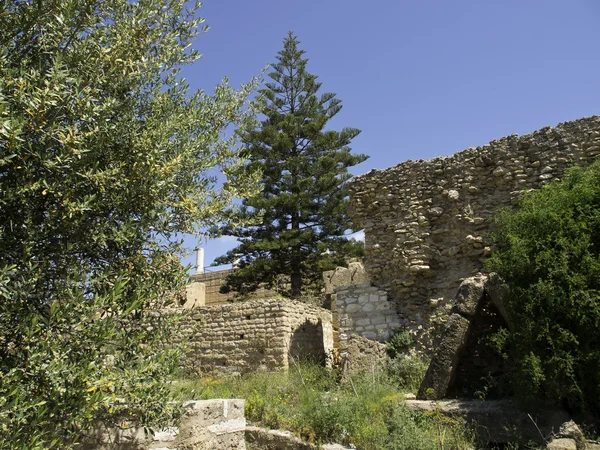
{"x": 212, "y": 284}
{"x": 359, "y": 354}
{"x": 426, "y": 222}
{"x": 332, "y": 279}
{"x": 364, "y": 310}
{"x": 206, "y": 425}
{"x": 256, "y": 335}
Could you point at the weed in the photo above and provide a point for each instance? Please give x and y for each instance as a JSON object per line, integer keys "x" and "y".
{"x": 310, "y": 401}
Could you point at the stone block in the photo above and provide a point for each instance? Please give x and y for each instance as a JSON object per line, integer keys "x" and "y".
{"x": 352, "y": 308}
{"x": 363, "y": 299}
{"x": 441, "y": 370}
{"x": 469, "y": 294}
{"x": 378, "y": 319}
{"x": 383, "y": 306}
{"x": 195, "y": 295}
{"x": 562, "y": 444}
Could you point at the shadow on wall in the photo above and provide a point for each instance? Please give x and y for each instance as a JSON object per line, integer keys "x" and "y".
{"x": 306, "y": 342}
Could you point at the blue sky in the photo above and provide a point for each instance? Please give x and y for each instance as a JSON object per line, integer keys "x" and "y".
{"x": 420, "y": 78}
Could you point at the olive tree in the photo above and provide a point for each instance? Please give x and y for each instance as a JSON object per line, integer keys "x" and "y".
{"x": 106, "y": 158}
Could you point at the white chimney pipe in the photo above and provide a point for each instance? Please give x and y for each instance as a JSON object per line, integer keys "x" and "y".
{"x": 200, "y": 260}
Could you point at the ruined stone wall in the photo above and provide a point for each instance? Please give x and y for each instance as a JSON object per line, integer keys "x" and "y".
{"x": 364, "y": 310}
{"x": 359, "y": 354}
{"x": 212, "y": 284}
{"x": 426, "y": 222}
{"x": 205, "y": 425}
{"x": 261, "y": 334}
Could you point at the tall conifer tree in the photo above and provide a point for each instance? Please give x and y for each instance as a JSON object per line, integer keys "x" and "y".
{"x": 304, "y": 168}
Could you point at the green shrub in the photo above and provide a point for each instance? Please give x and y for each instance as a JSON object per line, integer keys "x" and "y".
{"x": 399, "y": 344}
{"x": 548, "y": 252}
{"x": 407, "y": 371}
{"x": 62, "y": 369}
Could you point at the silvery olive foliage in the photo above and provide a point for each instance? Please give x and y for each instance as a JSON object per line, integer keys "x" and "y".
{"x": 106, "y": 158}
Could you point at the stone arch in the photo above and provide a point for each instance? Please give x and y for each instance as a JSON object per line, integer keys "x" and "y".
{"x": 307, "y": 342}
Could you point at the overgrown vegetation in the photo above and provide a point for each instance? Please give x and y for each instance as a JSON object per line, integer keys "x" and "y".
{"x": 104, "y": 159}
{"x": 366, "y": 410}
{"x": 548, "y": 252}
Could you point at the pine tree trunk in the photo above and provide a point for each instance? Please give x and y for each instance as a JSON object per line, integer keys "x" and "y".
{"x": 296, "y": 263}
{"x": 296, "y": 280}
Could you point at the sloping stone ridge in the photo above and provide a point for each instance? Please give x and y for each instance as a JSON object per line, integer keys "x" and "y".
{"x": 426, "y": 221}
{"x": 256, "y": 335}
{"x": 470, "y": 298}
{"x": 206, "y": 425}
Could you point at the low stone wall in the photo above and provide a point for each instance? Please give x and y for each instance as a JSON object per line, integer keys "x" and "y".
{"x": 426, "y": 222}
{"x": 206, "y": 425}
{"x": 212, "y": 284}
{"x": 256, "y": 335}
{"x": 362, "y": 355}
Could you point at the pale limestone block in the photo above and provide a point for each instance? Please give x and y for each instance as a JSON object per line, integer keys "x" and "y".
{"x": 195, "y": 295}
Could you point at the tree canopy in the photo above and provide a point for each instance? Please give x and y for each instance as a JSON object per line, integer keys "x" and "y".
{"x": 302, "y": 207}
{"x": 105, "y": 158}
{"x": 548, "y": 252}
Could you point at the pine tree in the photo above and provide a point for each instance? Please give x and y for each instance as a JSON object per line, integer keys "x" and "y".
{"x": 304, "y": 168}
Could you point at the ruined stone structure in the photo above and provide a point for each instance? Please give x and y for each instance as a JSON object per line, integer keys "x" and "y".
{"x": 205, "y": 288}
{"x": 205, "y": 425}
{"x": 364, "y": 310}
{"x": 426, "y": 222}
{"x": 256, "y": 335}
{"x": 212, "y": 283}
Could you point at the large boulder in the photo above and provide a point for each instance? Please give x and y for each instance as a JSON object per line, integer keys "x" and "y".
{"x": 470, "y": 293}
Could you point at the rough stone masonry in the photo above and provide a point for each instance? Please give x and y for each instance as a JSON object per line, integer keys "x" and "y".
{"x": 256, "y": 335}
{"x": 426, "y": 222}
